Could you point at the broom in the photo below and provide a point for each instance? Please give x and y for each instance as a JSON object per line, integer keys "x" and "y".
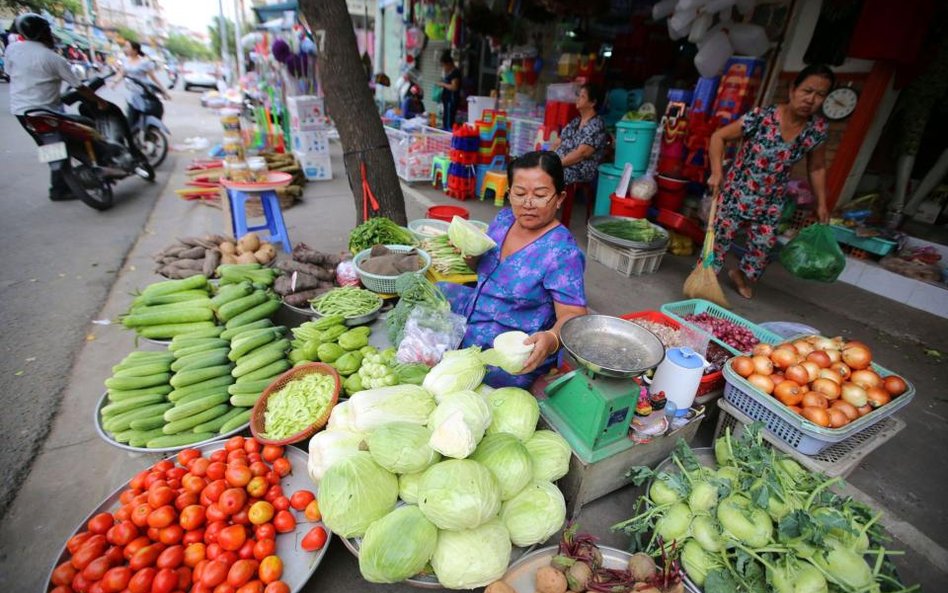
{"x": 702, "y": 282}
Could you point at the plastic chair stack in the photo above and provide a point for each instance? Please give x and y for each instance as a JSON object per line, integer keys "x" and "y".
{"x": 492, "y": 130}
{"x": 274, "y": 226}
{"x": 462, "y": 177}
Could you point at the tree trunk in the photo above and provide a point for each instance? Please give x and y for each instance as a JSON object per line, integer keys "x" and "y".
{"x": 350, "y": 104}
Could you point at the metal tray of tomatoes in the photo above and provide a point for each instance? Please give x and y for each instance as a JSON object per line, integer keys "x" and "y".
{"x": 97, "y": 421}
{"x": 298, "y": 564}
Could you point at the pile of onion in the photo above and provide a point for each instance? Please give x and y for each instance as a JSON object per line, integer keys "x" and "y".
{"x": 828, "y": 381}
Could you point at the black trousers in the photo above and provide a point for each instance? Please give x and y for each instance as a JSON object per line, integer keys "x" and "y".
{"x": 57, "y": 184}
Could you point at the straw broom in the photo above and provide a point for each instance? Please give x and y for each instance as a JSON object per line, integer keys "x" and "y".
{"x": 702, "y": 283}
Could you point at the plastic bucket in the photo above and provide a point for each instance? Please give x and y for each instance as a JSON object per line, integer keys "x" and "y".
{"x": 609, "y": 176}
{"x": 447, "y": 213}
{"x": 634, "y": 143}
{"x": 671, "y": 193}
{"x": 628, "y": 207}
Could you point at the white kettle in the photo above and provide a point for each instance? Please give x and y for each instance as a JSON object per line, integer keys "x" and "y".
{"x": 679, "y": 375}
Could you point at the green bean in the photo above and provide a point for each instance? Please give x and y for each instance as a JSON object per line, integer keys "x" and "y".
{"x": 347, "y": 301}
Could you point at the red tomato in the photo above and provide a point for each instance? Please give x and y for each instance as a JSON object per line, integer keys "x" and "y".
{"x": 101, "y": 523}
{"x": 166, "y": 580}
{"x": 140, "y": 515}
{"x": 301, "y": 498}
{"x": 116, "y": 579}
{"x": 184, "y": 578}
{"x": 215, "y": 512}
{"x": 215, "y": 471}
{"x": 282, "y": 466}
{"x": 114, "y": 556}
{"x": 163, "y": 465}
{"x": 260, "y": 512}
{"x": 192, "y": 517}
{"x": 254, "y": 457}
{"x": 155, "y": 479}
{"x": 246, "y": 551}
{"x": 135, "y": 545}
{"x": 228, "y": 557}
{"x": 236, "y": 456}
{"x": 314, "y": 540}
{"x": 224, "y": 588}
{"x": 241, "y": 517}
{"x": 152, "y": 533}
{"x": 61, "y": 589}
{"x": 170, "y": 557}
{"x": 92, "y": 549}
{"x": 211, "y": 531}
{"x": 95, "y": 570}
{"x": 232, "y": 500}
{"x": 271, "y": 569}
{"x": 264, "y": 548}
{"x": 162, "y": 516}
{"x": 252, "y": 445}
{"x": 198, "y": 571}
{"x": 186, "y": 456}
{"x": 214, "y": 573}
{"x": 219, "y": 455}
{"x": 237, "y": 476}
{"x": 284, "y": 521}
{"x": 254, "y": 586}
{"x": 259, "y": 468}
{"x": 185, "y": 499}
{"x": 122, "y": 533}
{"x": 281, "y": 503}
{"x": 192, "y": 537}
{"x": 124, "y": 513}
{"x": 128, "y": 494}
{"x": 214, "y": 550}
{"x": 274, "y": 492}
{"x": 141, "y": 580}
{"x": 96, "y": 587}
{"x": 170, "y": 535}
{"x": 192, "y": 483}
{"x": 75, "y": 542}
{"x": 241, "y": 572}
{"x": 197, "y": 587}
{"x": 199, "y": 466}
{"x": 257, "y": 487}
{"x": 232, "y": 538}
{"x": 273, "y": 478}
{"x": 277, "y": 587}
{"x": 272, "y": 452}
{"x": 265, "y": 531}
{"x": 159, "y": 497}
{"x": 138, "y": 482}
{"x": 64, "y": 574}
{"x": 233, "y": 443}
{"x": 215, "y": 489}
{"x": 312, "y": 511}
{"x": 194, "y": 553}
{"x": 175, "y": 473}
{"x": 147, "y": 556}
{"x": 81, "y": 584}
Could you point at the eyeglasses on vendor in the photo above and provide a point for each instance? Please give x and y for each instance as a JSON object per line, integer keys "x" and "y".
{"x": 532, "y": 199}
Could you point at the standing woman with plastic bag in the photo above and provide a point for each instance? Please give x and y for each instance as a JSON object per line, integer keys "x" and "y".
{"x": 753, "y": 191}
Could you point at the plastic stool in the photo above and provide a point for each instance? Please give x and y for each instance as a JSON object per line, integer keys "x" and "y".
{"x": 495, "y": 181}
{"x": 439, "y": 166}
{"x": 272, "y": 212}
{"x": 589, "y": 192}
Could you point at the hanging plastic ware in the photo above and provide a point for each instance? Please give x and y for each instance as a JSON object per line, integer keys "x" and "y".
{"x": 814, "y": 254}
{"x": 713, "y": 6}
{"x": 713, "y": 55}
{"x": 746, "y": 6}
{"x": 749, "y": 39}
{"x": 663, "y": 9}
{"x": 682, "y": 19}
{"x": 700, "y": 26}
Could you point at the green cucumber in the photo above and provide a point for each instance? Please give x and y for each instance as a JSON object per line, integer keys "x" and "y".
{"x": 124, "y": 420}
{"x": 211, "y": 332}
{"x": 254, "y": 387}
{"x": 216, "y": 424}
{"x": 185, "y": 378}
{"x": 191, "y": 408}
{"x": 202, "y": 303}
{"x": 144, "y": 370}
{"x": 234, "y": 308}
{"x": 222, "y": 381}
{"x": 192, "y": 421}
{"x": 244, "y": 345}
{"x": 117, "y": 395}
{"x": 149, "y": 423}
{"x": 237, "y": 421}
{"x": 229, "y": 293}
{"x": 167, "y": 331}
{"x": 125, "y": 383}
{"x": 170, "y": 286}
{"x": 180, "y": 314}
{"x": 132, "y": 403}
{"x": 199, "y": 360}
{"x": 199, "y": 348}
{"x": 261, "y": 311}
{"x": 271, "y": 370}
{"x": 230, "y": 334}
{"x": 143, "y": 436}
{"x": 167, "y": 299}
{"x": 244, "y": 400}
{"x": 200, "y": 394}
{"x": 179, "y": 440}
{"x": 261, "y": 357}
{"x": 123, "y": 436}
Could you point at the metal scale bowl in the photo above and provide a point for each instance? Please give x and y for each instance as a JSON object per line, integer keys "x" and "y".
{"x": 592, "y": 406}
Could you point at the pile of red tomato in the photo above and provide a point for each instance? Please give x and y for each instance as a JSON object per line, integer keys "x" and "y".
{"x": 203, "y": 525}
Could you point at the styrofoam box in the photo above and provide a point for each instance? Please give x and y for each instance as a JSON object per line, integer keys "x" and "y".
{"x": 307, "y": 113}
{"x": 316, "y": 167}
{"x": 312, "y": 142}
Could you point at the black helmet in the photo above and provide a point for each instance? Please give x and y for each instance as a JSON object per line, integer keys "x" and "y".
{"x": 32, "y": 26}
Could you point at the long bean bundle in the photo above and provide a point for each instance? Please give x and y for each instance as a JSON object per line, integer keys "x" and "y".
{"x": 445, "y": 258}
{"x": 347, "y": 301}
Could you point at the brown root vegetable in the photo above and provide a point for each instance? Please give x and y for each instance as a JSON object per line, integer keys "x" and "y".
{"x": 289, "y": 266}
{"x": 642, "y": 566}
{"x": 192, "y": 253}
{"x": 578, "y": 575}
{"x": 228, "y": 248}
{"x": 212, "y": 259}
{"x": 285, "y": 285}
{"x": 248, "y": 243}
{"x": 306, "y": 254}
{"x": 499, "y": 587}
{"x": 181, "y": 269}
{"x": 646, "y": 588}
{"x": 302, "y": 299}
{"x": 190, "y": 241}
{"x": 550, "y": 580}
{"x": 265, "y": 254}
{"x": 246, "y": 258}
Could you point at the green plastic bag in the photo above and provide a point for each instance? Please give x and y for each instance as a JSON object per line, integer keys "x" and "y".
{"x": 814, "y": 254}
{"x": 436, "y": 92}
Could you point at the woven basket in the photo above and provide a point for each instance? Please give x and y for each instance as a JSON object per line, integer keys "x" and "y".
{"x": 386, "y": 284}
{"x": 257, "y": 425}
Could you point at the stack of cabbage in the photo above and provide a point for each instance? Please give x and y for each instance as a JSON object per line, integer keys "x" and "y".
{"x": 474, "y": 474}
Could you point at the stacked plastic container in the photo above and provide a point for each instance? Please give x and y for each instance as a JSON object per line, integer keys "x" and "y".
{"x": 309, "y": 136}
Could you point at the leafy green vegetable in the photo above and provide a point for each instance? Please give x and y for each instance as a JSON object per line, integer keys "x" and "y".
{"x": 515, "y": 411}
{"x": 550, "y": 455}
{"x": 459, "y": 370}
{"x": 378, "y": 231}
{"x": 630, "y": 229}
{"x": 471, "y": 240}
{"x": 471, "y": 558}
{"x": 508, "y": 460}
{"x": 459, "y": 423}
{"x": 408, "y": 487}
{"x": 401, "y": 447}
{"x": 297, "y": 405}
{"x": 413, "y": 290}
{"x": 534, "y": 514}
{"x": 458, "y": 494}
{"x": 401, "y": 403}
{"x": 397, "y": 546}
{"x": 354, "y": 493}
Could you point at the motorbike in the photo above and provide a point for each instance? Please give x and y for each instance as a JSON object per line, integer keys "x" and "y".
{"x": 3, "y": 73}
{"x": 144, "y": 112}
{"x": 92, "y": 150}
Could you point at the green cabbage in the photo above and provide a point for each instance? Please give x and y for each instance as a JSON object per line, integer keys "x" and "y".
{"x": 508, "y": 460}
{"x": 341, "y": 418}
{"x": 550, "y": 454}
{"x": 515, "y": 411}
{"x": 354, "y": 493}
{"x": 329, "y": 448}
{"x": 471, "y": 240}
{"x": 397, "y": 546}
{"x": 408, "y": 487}
{"x": 458, "y": 494}
{"x": 509, "y": 352}
{"x": 458, "y": 423}
{"x": 471, "y": 558}
{"x": 459, "y": 370}
{"x": 401, "y": 447}
{"x": 535, "y": 514}
{"x": 401, "y": 403}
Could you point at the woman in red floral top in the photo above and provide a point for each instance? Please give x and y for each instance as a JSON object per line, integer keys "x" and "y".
{"x": 753, "y": 189}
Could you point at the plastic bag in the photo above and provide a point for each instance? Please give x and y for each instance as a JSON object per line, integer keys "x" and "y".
{"x": 346, "y": 273}
{"x": 429, "y": 333}
{"x": 814, "y": 255}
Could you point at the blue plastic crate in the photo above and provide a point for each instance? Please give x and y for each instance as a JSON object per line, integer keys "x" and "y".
{"x": 875, "y": 245}
{"x": 678, "y": 310}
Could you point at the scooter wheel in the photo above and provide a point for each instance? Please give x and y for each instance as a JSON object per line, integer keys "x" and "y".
{"x": 85, "y": 184}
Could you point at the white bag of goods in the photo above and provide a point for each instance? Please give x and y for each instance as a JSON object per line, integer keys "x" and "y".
{"x": 663, "y": 9}
{"x": 749, "y": 39}
{"x": 700, "y": 26}
{"x": 713, "y": 55}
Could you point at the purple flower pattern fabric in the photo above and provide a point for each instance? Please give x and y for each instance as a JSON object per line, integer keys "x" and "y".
{"x": 518, "y": 293}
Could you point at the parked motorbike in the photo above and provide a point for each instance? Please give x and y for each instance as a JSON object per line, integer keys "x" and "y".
{"x": 93, "y": 150}
{"x": 144, "y": 112}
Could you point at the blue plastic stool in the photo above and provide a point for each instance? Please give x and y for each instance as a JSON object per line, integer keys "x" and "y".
{"x": 498, "y": 164}
{"x": 275, "y": 227}
{"x": 439, "y": 170}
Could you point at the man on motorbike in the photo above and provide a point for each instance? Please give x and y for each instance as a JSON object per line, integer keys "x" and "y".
{"x": 37, "y": 73}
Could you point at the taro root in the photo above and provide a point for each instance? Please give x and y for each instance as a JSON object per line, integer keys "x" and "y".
{"x": 550, "y": 580}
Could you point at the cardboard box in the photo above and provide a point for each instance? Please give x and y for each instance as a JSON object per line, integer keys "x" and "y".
{"x": 316, "y": 167}
{"x": 307, "y": 113}
{"x": 313, "y": 142}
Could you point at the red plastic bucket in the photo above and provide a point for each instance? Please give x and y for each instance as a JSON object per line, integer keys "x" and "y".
{"x": 671, "y": 193}
{"x": 447, "y": 213}
{"x": 628, "y": 207}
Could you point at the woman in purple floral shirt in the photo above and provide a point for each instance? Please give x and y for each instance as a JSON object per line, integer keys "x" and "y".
{"x": 532, "y": 281}
{"x": 752, "y": 191}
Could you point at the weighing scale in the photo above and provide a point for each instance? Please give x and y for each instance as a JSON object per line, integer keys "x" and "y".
{"x": 592, "y": 407}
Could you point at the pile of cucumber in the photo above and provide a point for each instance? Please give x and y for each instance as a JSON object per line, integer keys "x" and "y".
{"x": 173, "y": 307}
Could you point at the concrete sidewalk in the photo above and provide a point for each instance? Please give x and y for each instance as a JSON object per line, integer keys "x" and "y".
{"x": 76, "y": 470}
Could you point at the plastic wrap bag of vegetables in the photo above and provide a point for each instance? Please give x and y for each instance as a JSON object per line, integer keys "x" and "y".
{"x": 814, "y": 254}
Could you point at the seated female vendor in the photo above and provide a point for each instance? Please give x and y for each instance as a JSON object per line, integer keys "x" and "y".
{"x": 582, "y": 140}
{"x": 532, "y": 281}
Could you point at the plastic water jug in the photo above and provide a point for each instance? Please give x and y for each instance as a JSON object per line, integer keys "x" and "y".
{"x": 679, "y": 375}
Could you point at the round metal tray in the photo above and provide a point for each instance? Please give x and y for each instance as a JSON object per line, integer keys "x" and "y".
{"x": 298, "y": 565}
{"x": 656, "y": 244}
{"x": 521, "y": 576}
{"x": 610, "y": 346}
{"x": 354, "y": 321}
{"x": 105, "y": 436}
{"x": 164, "y": 343}
{"x": 307, "y": 312}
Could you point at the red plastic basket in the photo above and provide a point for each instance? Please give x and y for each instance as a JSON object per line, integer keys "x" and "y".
{"x": 680, "y": 224}
{"x": 257, "y": 426}
{"x": 447, "y": 213}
